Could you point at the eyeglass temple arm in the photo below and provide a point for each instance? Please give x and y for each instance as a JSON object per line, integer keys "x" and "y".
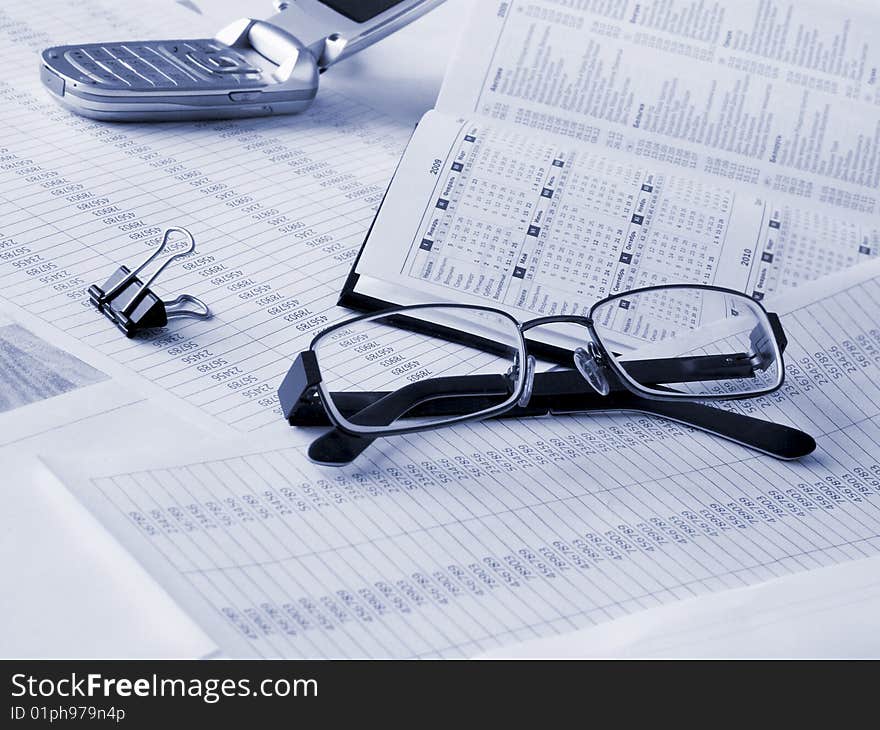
{"x": 712, "y": 367}
{"x": 302, "y": 406}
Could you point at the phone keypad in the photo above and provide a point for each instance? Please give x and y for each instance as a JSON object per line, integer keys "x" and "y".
{"x": 164, "y": 65}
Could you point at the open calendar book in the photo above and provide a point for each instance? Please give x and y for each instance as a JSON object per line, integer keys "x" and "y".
{"x": 575, "y": 153}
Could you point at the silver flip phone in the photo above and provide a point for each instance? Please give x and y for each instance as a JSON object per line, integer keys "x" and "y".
{"x": 250, "y": 68}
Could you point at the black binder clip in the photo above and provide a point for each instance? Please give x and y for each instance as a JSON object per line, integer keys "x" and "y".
{"x": 128, "y": 302}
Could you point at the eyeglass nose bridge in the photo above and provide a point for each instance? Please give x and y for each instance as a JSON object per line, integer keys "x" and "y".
{"x": 590, "y": 363}
{"x": 590, "y": 360}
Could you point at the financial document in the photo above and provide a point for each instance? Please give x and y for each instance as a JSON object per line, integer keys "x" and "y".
{"x": 73, "y": 591}
{"x": 44, "y": 384}
{"x": 470, "y": 538}
{"x": 278, "y": 208}
{"x": 824, "y": 613}
{"x": 53, "y": 398}
{"x": 32, "y": 370}
{"x": 445, "y": 545}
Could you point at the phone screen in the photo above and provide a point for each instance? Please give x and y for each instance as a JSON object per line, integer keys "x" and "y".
{"x": 360, "y": 11}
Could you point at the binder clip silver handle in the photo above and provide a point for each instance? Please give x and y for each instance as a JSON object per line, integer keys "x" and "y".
{"x": 177, "y": 308}
{"x": 142, "y": 309}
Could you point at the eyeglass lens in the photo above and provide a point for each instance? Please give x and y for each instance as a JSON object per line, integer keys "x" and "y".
{"x": 419, "y": 366}
{"x": 690, "y": 340}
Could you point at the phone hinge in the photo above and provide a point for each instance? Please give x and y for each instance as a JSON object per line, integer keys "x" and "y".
{"x": 283, "y": 49}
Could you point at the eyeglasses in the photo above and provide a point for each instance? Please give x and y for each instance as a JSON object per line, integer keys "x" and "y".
{"x": 657, "y": 350}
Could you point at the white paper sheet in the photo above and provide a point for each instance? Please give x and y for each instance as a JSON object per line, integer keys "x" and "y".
{"x": 70, "y": 590}
{"x": 473, "y": 538}
{"x": 826, "y": 613}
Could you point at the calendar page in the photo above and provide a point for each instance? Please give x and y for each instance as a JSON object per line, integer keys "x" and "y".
{"x": 540, "y": 224}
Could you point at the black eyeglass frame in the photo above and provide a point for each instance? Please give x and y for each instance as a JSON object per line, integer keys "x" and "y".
{"x": 304, "y": 384}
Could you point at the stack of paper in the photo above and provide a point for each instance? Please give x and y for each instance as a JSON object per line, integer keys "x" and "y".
{"x": 466, "y": 540}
